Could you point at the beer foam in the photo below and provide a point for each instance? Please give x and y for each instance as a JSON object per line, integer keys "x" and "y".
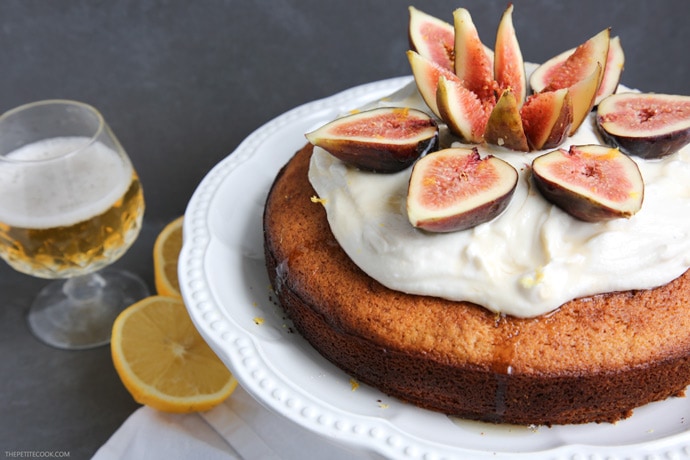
{"x": 60, "y": 181}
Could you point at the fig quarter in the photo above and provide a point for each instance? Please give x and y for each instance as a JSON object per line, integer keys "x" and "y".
{"x": 432, "y": 38}
{"x": 613, "y": 69}
{"x": 509, "y": 66}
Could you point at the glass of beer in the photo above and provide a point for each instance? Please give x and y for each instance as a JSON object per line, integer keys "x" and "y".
{"x": 70, "y": 205}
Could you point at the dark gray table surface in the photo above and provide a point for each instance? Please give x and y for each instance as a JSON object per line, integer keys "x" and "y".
{"x": 183, "y": 83}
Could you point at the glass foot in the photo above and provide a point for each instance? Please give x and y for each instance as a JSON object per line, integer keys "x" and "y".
{"x": 79, "y": 313}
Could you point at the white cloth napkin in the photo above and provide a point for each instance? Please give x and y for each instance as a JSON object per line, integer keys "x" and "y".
{"x": 240, "y": 428}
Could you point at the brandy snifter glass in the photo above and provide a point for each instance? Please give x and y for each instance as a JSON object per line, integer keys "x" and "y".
{"x": 70, "y": 205}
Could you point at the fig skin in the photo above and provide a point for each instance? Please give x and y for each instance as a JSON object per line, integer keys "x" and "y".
{"x": 454, "y": 189}
{"x": 596, "y": 183}
{"x": 646, "y": 125}
{"x": 504, "y": 127}
{"x": 384, "y": 140}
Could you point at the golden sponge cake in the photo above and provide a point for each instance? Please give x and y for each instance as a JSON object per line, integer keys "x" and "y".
{"x": 593, "y": 360}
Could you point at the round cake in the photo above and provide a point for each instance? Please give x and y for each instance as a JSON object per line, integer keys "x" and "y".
{"x": 592, "y": 360}
{"x": 489, "y": 254}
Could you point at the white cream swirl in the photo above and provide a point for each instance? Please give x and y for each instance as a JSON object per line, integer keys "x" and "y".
{"x": 526, "y": 262}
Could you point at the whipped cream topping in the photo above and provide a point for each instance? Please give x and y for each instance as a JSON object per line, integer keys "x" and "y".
{"x": 526, "y": 262}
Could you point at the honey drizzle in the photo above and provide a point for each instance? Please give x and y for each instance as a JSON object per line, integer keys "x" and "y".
{"x": 502, "y": 368}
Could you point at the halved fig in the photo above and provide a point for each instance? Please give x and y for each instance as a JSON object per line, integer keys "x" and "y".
{"x": 509, "y": 67}
{"x": 546, "y": 118}
{"x": 472, "y": 64}
{"x": 461, "y": 109}
{"x": 586, "y": 62}
{"x": 504, "y": 127}
{"x": 381, "y": 140}
{"x": 590, "y": 182}
{"x": 432, "y": 38}
{"x": 426, "y": 75}
{"x": 645, "y": 124}
{"x": 612, "y": 70}
{"x": 454, "y": 189}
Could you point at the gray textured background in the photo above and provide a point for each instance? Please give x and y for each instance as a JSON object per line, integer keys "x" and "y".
{"x": 182, "y": 83}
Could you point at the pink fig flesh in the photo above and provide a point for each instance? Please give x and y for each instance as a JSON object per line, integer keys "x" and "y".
{"x": 426, "y": 76}
{"x": 464, "y": 113}
{"x": 509, "y": 66}
{"x": 582, "y": 95}
{"x": 432, "y": 38}
{"x": 454, "y": 189}
{"x": 590, "y": 182}
{"x": 646, "y": 125}
{"x": 582, "y": 62}
{"x": 613, "y": 69}
{"x": 472, "y": 63}
{"x": 546, "y": 118}
{"x": 582, "y": 73}
{"x": 542, "y": 75}
{"x": 382, "y": 140}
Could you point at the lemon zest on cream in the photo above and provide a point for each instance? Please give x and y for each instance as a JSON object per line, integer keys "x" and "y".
{"x": 529, "y": 281}
{"x": 316, "y": 199}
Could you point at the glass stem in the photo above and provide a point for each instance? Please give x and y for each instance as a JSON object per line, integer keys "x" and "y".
{"x": 85, "y": 288}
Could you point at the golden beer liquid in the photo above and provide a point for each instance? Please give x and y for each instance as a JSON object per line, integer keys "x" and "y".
{"x": 73, "y": 250}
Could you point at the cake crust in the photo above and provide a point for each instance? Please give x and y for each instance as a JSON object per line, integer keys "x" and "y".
{"x": 592, "y": 360}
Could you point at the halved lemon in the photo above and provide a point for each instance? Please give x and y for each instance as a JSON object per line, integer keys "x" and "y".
{"x": 166, "y": 251}
{"x": 164, "y": 362}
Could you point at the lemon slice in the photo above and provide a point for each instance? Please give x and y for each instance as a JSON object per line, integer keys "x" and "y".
{"x": 166, "y": 251}
{"x": 164, "y": 362}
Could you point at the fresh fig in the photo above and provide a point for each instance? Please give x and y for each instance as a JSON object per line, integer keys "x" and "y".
{"x": 612, "y": 70}
{"x": 504, "y": 127}
{"x": 590, "y": 182}
{"x": 582, "y": 95}
{"x": 546, "y": 118}
{"x": 454, "y": 189}
{"x": 426, "y": 75}
{"x": 432, "y": 38}
{"x": 381, "y": 140}
{"x": 509, "y": 67}
{"x": 582, "y": 73}
{"x": 461, "y": 109}
{"x": 472, "y": 63}
{"x": 579, "y": 64}
{"x": 644, "y": 124}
